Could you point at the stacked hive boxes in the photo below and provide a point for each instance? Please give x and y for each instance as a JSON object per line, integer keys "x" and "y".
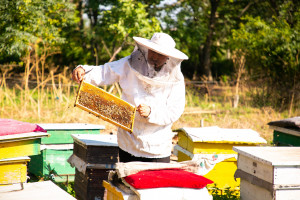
{"x": 14, "y": 152}
{"x": 212, "y": 147}
{"x": 57, "y": 148}
{"x": 94, "y": 156}
{"x": 269, "y": 173}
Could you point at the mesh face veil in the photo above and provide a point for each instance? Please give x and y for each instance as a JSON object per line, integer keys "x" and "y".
{"x": 170, "y": 72}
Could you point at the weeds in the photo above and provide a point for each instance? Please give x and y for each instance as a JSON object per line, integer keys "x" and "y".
{"x": 226, "y": 194}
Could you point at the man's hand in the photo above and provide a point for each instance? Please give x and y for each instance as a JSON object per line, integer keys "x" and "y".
{"x": 78, "y": 74}
{"x": 144, "y": 110}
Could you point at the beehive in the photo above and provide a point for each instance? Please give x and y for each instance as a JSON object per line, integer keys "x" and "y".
{"x": 96, "y": 149}
{"x": 269, "y": 173}
{"x": 286, "y": 136}
{"x": 106, "y": 106}
{"x": 13, "y": 170}
{"x": 19, "y": 145}
{"x": 216, "y": 142}
{"x": 286, "y": 132}
{"x": 56, "y": 149}
{"x": 98, "y": 154}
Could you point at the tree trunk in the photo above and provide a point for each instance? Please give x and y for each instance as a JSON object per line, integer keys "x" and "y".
{"x": 206, "y": 64}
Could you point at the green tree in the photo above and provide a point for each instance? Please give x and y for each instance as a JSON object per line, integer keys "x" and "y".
{"x": 24, "y": 22}
{"x": 127, "y": 19}
{"x": 272, "y": 52}
{"x": 107, "y": 32}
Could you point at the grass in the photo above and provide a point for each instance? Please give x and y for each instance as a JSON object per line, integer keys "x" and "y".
{"x": 55, "y": 104}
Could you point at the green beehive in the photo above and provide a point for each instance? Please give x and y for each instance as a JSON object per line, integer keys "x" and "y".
{"x": 56, "y": 149}
{"x": 286, "y": 132}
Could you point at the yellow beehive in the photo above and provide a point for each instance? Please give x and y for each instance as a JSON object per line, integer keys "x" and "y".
{"x": 13, "y": 170}
{"x": 18, "y": 145}
{"x": 216, "y": 142}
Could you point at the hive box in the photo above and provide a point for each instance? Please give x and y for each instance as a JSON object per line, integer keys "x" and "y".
{"x": 286, "y": 136}
{"x": 93, "y": 157}
{"x": 88, "y": 185}
{"x": 14, "y": 152}
{"x": 57, "y": 148}
{"x": 53, "y": 160}
{"x": 286, "y": 131}
{"x": 20, "y": 145}
{"x": 13, "y": 170}
{"x": 269, "y": 173}
{"x": 216, "y": 142}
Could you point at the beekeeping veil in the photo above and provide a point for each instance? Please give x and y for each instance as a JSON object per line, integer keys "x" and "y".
{"x": 161, "y": 43}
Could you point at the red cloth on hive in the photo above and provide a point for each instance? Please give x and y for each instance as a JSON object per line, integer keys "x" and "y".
{"x": 166, "y": 178}
{"x": 10, "y": 127}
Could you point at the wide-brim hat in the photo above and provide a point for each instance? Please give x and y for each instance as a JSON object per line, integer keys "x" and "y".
{"x": 163, "y": 44}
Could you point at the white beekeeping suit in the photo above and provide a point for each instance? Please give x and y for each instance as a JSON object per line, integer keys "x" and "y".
{"x": 163, "y": 91}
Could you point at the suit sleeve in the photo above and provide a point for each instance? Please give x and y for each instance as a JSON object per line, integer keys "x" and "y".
{"x": 106, "y": 74}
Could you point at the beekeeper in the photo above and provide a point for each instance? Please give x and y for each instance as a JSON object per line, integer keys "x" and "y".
{"x": 151, "y": 79}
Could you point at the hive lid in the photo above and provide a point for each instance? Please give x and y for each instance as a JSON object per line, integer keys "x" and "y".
{"x": 70, "y": 126}
{"x": 275, "y": 156}
{"x": 95, "y": 140}
{"x": 23, "y": 136}
{"x": 214, "y": 134}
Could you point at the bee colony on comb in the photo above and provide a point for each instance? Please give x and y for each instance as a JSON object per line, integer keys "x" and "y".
{"x": 106, "y": 106}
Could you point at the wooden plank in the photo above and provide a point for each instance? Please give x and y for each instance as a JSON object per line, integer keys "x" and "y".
{"x": 287, "y": 194}
{"x": 289, "y": 175}
{"x": 61, "y": 132}
{"x": 286, "y": 130}
{"x": 256, "y": 168}
{"x": 275, "y": 156}
{"x": 45, "y": 190}
{"x": 284, "y": 139}
{"x": 71, "y": 126}
{"x": 13, "y": 170}
{"x": 96, "y": 140}
{"x": 57, "y": 146}
{"x": 253, "y": 180}
{"x": 22, "y": 136}
{"x": 249, "y": 191}
{"x": 65, "y": 136}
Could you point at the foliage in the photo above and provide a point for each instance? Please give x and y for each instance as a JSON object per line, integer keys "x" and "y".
{"x": 272, "y": 49}
{"x": 226, "y": 194}
{"x": 124, "y": 20}
{"x": 24, "y": 22}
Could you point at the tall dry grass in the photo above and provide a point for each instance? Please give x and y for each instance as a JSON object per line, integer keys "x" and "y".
{"x": 49, "y": 97}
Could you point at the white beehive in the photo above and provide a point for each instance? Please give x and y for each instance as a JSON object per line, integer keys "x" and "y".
{"x": 269, "y": 173}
